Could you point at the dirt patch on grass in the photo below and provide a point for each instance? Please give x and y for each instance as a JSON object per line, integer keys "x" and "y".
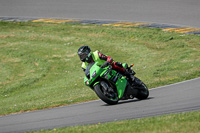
{"x": 6, "y": 36}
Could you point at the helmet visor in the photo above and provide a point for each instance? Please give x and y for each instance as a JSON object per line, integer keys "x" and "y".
{"x": 83, "y": 56}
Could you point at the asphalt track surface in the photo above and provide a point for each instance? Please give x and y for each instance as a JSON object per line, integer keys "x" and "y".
{"x": 177, "y": 12}
{"x": 175, "y": 98}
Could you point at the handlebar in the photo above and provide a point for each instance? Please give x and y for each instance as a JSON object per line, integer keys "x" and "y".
{"x": 107, "y": 63}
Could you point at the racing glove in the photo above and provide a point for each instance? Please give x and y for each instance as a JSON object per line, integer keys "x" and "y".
{"x": 107, "y": 63}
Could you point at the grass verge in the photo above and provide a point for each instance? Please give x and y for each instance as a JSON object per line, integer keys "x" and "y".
{"x": 173, "y": 123}
{"x": 39, "y": 67}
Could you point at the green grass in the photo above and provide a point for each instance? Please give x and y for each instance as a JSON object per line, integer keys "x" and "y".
{"x": 39, "y": 67}
{"x": 173, "y": 123}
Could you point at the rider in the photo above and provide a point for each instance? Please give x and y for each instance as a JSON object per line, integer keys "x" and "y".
{"x": 86, "y": 56}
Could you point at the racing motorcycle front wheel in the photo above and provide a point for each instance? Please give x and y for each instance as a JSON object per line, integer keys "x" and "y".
{"x": 102, "y": 92}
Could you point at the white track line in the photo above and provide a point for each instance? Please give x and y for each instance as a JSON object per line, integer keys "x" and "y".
{"x": 174, "y": 84}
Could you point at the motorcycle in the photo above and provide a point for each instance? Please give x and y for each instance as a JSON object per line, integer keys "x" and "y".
{"x": 111, "y": 86}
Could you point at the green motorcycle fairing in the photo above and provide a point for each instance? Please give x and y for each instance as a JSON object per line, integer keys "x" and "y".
{"x": 93, "y": 71}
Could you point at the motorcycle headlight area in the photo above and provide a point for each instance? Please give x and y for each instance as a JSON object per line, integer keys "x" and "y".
{"x": 87, "y": 83}
{"x": 94, "y": 74}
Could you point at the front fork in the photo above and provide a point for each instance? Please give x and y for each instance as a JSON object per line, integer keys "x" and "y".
{"x": 108, "y": 91}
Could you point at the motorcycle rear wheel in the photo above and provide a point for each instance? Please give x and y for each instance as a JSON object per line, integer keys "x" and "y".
{"x": 99, "y": 91}
{"x": 143, "y": 92}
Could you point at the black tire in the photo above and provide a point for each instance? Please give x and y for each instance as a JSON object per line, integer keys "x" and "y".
{"x": 143, "y": 92}
{"x": 98, "y": 90}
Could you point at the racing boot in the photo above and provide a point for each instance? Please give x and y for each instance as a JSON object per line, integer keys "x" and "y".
{"x": 129, "y": 76}
{"x": 128, "y": 72}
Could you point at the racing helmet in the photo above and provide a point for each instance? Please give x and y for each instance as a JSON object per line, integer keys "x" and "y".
{"x": 84, "y": 53}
